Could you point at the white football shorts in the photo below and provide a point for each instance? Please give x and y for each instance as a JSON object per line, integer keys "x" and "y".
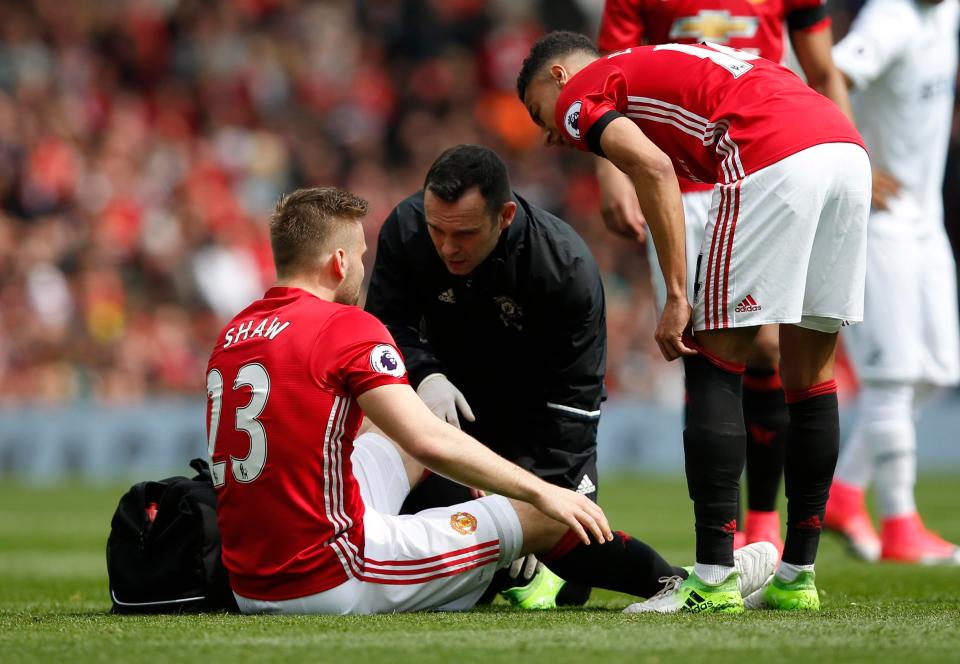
{"x": 437, "y": 559}
{"x": 696, "y": 209}
{"x": 787, "y": 244}
{"x": 910, "y": 327}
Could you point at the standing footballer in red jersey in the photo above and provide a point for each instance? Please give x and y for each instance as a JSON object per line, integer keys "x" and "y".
{"x": 784, "y": 244}
{"x": 308, "y": 509}
{"x": 756, "y": 26}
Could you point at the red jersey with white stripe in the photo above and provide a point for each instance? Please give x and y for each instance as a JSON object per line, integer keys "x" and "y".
{"x": 748, "y": 25}
{"x": 282, "y": 385}
{"x": 718, "y": 113}
{"x": 756, "y": 27}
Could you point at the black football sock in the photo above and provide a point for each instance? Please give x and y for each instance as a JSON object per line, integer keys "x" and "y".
{"x": 765, "y": 416}
{"x": 625, "y": 564}
{"x": 714, "y": 444}
{"x": 573, "y": 594}
{"x": 813, "y": 444}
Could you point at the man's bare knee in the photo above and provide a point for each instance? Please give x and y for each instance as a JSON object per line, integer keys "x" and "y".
{"x": 765, "y": 352}
{"x": 415, "y": 470}
{"x": 807, "y": 357}
{"x": 731, "y": 344}
{"x": 540, "y": 532}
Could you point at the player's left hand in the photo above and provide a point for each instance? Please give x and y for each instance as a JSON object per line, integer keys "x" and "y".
{"x": 674, "y": 321}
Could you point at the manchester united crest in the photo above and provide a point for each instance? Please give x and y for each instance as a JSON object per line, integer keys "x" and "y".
{"x": 464, "y": 523}
{"x": 511, "y": 313}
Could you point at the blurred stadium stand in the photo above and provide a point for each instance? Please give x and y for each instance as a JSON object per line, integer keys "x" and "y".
{"x": 144, "y": 142}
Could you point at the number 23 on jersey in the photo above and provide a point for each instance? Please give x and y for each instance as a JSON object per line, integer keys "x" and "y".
{"x": 248, "y": 468}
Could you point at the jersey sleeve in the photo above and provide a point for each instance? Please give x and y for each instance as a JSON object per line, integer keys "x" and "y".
{"x": 621, "y": 25}
{"x": 876, "y": 39}
{"x": 589, "y": 102}
{"x": 806, "y": 15}
{"x": 356, "y": 353}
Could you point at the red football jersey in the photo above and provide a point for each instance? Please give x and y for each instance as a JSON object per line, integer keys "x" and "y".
{"x": 751, "y": 25}
{"x": 282, "y": 385}
{"x": 718, "y": 113}
{"x": 755, "y": 26}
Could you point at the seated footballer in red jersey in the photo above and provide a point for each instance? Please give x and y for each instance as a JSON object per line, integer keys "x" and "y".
{"x": 308, "y": 510}
{"x": 756, "y": 27}
{"x": 784, "y": 244}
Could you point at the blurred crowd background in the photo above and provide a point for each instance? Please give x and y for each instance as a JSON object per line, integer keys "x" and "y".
{"x": 143, "y": 144}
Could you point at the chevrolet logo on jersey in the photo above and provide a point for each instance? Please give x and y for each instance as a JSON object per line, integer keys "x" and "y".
{"x": 714, "y": 25}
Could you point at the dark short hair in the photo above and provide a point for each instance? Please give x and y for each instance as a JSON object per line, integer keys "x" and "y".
{"x": 550, "y": 47}
{"x": 305, "y": 220}
{"x": 463, "y": 167}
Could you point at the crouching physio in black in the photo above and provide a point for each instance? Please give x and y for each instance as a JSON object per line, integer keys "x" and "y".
{"x": 498, "y": 308}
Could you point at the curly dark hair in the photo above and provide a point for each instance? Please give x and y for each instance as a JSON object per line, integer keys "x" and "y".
{"x": 548, "y": 47}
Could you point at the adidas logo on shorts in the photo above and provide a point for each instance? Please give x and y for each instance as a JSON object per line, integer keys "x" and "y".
{"x": 748, "y": 304}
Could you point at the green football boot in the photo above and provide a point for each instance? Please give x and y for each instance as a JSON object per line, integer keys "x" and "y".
{"x": 693, "y": 595}
{"x": 753, "y": 565}
{"x": 540, "y": 593}
{"x": 798, "y": 595}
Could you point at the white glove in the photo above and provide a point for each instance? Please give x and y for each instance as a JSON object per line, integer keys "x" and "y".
{"x": 444, "y": 399}
{"x": 524, "y": 569}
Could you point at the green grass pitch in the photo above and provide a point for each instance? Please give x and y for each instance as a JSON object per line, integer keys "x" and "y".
{"x": 54, "y": 606}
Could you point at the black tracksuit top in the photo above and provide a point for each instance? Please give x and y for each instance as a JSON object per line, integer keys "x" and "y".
{"x": 523, "y": 336}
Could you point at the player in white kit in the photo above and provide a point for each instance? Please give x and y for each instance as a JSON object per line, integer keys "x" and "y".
{"x": 901, "y": 59}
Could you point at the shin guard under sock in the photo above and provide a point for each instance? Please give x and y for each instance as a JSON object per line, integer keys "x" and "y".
{"x": 714, "y": 442}
{"x": 813, "y": 443}
{"x": 625, "y": 564}
{"x": 765, "y": 416}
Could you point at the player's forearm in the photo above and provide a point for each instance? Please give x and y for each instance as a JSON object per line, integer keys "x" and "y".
{"x": 399, "y": 412}
{"x": 813, "y": 51}
{"x": 605, "y": 170}
{"x": 658, "y": 192}
{"x": 450, "y": 452}
{"x": 834, "y": 86}
{"x": 659, "y": 195}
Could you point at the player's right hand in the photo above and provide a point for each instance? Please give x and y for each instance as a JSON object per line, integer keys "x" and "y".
{"x": 885, "y": 187}
{"x": 619, "y": 206}
{"x": 579, "y": 513}
{"x": 443, "y": 398}
{"x": 674, "y": 321}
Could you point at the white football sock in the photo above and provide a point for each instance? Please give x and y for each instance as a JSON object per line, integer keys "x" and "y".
{"x": 712, "y": 574}
{"x": 889, "y": 428}
{"x": 788, "y": 573}
{"x": 854, "y": 466}
{"x": 895, "y": 468}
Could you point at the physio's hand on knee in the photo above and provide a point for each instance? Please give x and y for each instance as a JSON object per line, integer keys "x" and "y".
{"x": 583, "y": 516}
{"x": 444, "y": 399}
